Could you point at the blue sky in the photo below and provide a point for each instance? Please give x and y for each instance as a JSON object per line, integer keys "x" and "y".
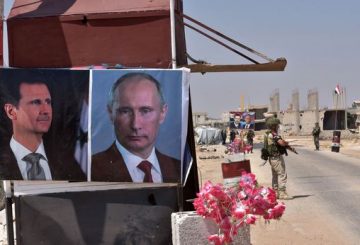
{"x": 320, "y": 40}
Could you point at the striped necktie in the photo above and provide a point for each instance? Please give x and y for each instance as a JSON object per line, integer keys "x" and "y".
{"x": 33, "y": 168}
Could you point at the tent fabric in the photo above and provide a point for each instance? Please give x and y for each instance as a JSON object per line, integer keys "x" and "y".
{"x": 208, "y": 136}
{"x": 45, "y": 8}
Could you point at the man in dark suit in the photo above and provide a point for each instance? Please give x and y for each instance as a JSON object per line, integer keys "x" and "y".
{"x": 27, "y": 103}
{"x": 248, "y": 124}
{"x": 137, "y": 109}
{"x": 234, "y": 126}
{"x": 61, "y": 168}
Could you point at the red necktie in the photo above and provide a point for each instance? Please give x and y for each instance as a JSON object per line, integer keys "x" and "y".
{"x": 145, "y": 166}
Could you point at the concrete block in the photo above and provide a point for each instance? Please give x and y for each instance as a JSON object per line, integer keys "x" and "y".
{"x": 190, "y": 228}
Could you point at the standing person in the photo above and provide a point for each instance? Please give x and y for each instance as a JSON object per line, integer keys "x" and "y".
{"x": 224, "y": 134}
{"x": 316, "y": 133}
{"x": 276, "y": 147}
{"x": 250, "y": 139}
{"x": 136, "y": 108}
{"x": 28, "y": 105}
{"x": 248, "y": 125}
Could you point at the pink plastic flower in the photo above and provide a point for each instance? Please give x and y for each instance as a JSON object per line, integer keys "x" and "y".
{"x": 276, "y": 212}
{"x": 250, "y": 219}
{"x": 239, "y": 211}
{"x": 216, "y": 239}
{"x": 233, "y": 207}
{"x": 247, "y": 179}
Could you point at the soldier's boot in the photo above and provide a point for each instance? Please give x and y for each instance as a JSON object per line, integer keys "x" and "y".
{"x": 284, "y": 196}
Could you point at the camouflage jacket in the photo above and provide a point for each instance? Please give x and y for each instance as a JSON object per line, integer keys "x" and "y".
{"x": 316, "y": 131}
{"x": 270, "y": 143}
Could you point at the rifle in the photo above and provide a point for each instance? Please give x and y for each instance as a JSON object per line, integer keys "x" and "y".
{"x": 283, "y": 149}
{"x": 292, "y": 149}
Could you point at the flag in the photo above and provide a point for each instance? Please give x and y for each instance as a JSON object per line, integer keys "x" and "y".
{"x": 337, "y": 89}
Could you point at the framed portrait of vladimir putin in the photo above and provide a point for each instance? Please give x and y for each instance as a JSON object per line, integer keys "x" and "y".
{"x": 139, "y": 120}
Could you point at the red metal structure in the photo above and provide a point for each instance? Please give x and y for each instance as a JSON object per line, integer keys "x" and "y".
{"x": 91, "y": 32}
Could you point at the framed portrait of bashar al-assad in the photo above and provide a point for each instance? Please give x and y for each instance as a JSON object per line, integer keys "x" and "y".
{"x": 41, "y": 124}
{"x": 139, "y": 125}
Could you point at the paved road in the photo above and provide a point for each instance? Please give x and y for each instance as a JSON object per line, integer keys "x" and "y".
{"x": 326, "y": 208}
{"x": 335, "y": 179}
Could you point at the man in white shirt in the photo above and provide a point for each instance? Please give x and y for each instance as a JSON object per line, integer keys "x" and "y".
{"x": 31, "y": 117}
{"x": 137, "y": 109}
{"x": 28, "y": 105}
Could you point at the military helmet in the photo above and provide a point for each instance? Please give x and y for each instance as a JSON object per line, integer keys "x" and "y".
{"x": 272, "y": 121}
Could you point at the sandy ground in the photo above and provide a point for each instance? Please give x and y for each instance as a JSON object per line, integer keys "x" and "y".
{"x": 304, "y": 222}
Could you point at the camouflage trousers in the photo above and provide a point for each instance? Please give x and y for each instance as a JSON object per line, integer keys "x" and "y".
{"x": 279, "y": 175}
{"x": 316, "y": 142}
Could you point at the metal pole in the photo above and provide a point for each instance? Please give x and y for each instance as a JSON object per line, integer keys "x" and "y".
{"x": 9, "y": 213}
{"x": 5, "y": 13}
{"x": 221, "y": 43}
{"x": 345, "y": 106}
{"x": 337, "y": 96}
{"x": 227, "y": 38}
{"x": 173, "y": 34}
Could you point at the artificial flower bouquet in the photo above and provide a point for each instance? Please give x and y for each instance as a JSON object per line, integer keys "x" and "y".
{"x": 233, "y": 207}
{"x": 233, "y": 148}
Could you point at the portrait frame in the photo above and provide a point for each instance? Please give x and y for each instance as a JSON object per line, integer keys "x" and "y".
{"x": 171, "y": 138}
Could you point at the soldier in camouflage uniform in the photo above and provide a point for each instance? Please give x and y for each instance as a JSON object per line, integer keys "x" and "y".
{"x": 276, "y": 147}
{"x": 316, "y": 133}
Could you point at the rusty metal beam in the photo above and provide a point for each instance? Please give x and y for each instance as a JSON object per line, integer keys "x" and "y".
{"x": 226, "y": 37}
{"x": 277, "y": 65}
{"x": 221, "y": 43}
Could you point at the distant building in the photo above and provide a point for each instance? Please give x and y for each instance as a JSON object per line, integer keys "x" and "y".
{"x": 199, "y": 118}
{"x": 202, "y": 119}
{"x": 260, "y": 111}
{"x": 356, "y": 113}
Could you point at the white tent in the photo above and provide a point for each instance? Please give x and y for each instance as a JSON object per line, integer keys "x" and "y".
{"x": 208, "y": 136}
